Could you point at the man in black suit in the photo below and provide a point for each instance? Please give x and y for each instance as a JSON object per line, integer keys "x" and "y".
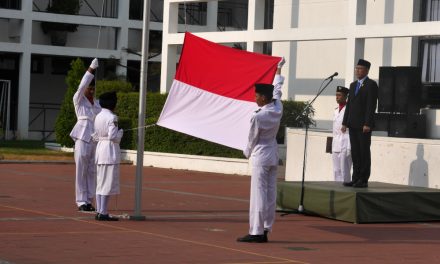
{"x": 359, "y": 119}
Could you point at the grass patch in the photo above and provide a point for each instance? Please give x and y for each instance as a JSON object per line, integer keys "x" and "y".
{"x": 30, "y": 150}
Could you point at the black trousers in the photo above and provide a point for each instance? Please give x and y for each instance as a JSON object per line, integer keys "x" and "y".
{"x": 360, "y": 154}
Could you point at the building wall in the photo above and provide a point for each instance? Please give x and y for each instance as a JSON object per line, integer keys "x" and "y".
{"x": 25, "y": 37}
{"x": 404, "y": 161}
{"x": 318, "y": 38}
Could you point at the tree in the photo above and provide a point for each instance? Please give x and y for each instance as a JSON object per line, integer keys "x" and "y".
{"x": 66, "y": 118}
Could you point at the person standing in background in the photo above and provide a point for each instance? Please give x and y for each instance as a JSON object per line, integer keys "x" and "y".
{"x": 262, "y": 148}
{"x": 86, "y": 109}
{"x": 359, "y": 118}
{"x": 341, "y": 150}
{"x": 108, "y": 155}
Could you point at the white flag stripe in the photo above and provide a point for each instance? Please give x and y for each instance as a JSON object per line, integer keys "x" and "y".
{"x": 206, "y": 115}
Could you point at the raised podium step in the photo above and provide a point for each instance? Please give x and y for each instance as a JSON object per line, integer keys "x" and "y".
{"x": 379, "y": 203}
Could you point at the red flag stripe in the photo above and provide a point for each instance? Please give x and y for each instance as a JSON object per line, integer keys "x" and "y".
{"x": 223, "y": 70}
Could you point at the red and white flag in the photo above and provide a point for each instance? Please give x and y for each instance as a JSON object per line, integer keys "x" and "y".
{"x": 213, "y": 96}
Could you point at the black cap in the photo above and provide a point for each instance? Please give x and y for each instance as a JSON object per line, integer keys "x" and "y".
{"x": 264, "y": 89}
{"x": 108, "y": 100}
{"x": 365, "y": 63}
{"x": 342, "y": 89}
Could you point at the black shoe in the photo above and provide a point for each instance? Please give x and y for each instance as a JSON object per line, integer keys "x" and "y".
{"x": 265, "y": 235}
{"x": 97, "y": 216}
{"x": 348, "y": 184}
{"x": 90, "y": 208}
{"x": 102, "y": 217}
{"x": 360, "y": 184}
{"x": 252, "y": 239}
{"x": 82, "y": 207}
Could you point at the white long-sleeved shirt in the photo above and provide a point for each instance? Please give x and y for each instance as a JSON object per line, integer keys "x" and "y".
{"x": 262, "y": 145}
{"x": 341, "y": 141}
{"x": 108, "y": 136}
{"x": 84, "y": 110}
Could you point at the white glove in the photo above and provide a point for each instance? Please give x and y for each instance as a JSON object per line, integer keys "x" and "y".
{"x": 281, "y": 63}
{"x": 94, "y": 63}
{"x": 119, "y": 136}
{"x": 95, "y": 137}
{"x": 120, "y": 133}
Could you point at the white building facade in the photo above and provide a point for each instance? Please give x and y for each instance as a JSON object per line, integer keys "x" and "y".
{"x": 320, "y": 37}
{"x": 36, "y": 66}
{"x": 317, "y": 37}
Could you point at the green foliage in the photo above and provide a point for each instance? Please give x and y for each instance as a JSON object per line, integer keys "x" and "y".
{"x": 22, "y": 144}
{"x": 119, "y": 86}
{"x": 128, "y": 105}
{"x": 291, "y": 111}
{"x": 127, "y": 139}
{"x": 66, "y": 118}
{"x": 157, "y": 139}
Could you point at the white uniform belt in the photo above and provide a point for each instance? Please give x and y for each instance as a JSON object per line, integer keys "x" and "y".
{"x": 266, "y": 141}
{"x": 103, "y": 139}
{"x": 85, "y": 118}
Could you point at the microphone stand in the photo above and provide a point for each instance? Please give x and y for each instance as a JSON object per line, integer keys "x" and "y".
{"x": 305, "y": 111}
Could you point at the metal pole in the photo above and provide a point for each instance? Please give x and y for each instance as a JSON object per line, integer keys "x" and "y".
{"x": 141, "y": 116}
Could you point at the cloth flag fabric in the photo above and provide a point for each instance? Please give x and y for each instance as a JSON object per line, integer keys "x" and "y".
{"x": 212, "y": 95}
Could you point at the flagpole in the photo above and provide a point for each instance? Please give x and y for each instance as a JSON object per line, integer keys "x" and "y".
{"x": 141, "y": 115}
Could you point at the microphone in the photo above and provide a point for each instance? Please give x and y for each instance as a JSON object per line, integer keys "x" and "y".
{"x": 333, "y": 75}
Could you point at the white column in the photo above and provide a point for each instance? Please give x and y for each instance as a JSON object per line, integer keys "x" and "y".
{"x": 123, "y": 19}
{"x": 286, "y": 17}
{"x": 354, "y": 47}
{"x": 255, "y": 22}
{"x": 212, "y": 14}
{"x": 25, "y": 73}
{"x": 169, "y": 52}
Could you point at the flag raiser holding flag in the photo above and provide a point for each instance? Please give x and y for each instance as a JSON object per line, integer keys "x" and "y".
{"x": 212, "y": 95}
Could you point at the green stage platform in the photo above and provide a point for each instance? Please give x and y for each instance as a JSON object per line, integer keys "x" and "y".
{"x": 380, "y": 202}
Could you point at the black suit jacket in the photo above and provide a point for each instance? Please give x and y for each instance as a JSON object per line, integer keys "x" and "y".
{"x": 360, "y": 108}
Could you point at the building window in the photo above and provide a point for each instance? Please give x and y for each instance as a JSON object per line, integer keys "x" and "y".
{"x": 431, "y": 10}
{"x": 37, "y": 64}
{"x": 430, "y": 60}
{"x": 60, "y": 65}
{"x": 10, "y": 4}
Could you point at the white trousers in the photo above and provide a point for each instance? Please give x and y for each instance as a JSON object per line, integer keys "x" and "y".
{"x": 107, "y": 179}
{"x": 342, "y": 166}
{"x": 85, "y": 184}
{"x": 263, "y": 199}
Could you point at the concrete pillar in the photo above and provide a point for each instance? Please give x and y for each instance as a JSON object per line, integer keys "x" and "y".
{"x": 169, "y": 52}
{"x": 212, "y": 14}
{"x": 286, "y": 17}
{"x": 123, "y": 18}
{"x": 25, "y": 72}
{"x": 354, "y": 47}
{"x": 255, "y": 22}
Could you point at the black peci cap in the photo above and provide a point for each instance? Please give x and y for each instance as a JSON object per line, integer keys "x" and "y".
{"x": 342, "y": 89}
{"x": 264, "y": 89}
{"x": 364, "y": 63}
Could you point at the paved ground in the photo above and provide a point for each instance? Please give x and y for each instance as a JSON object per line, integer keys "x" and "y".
{"x": 192, "y": 217}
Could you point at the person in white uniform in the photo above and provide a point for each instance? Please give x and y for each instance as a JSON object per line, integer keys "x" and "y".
{"x": 86, "y": 109}
{"x": 262, "y": 149}
{"x": 108, "y": 155}
{"x": 341, "y": 150}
